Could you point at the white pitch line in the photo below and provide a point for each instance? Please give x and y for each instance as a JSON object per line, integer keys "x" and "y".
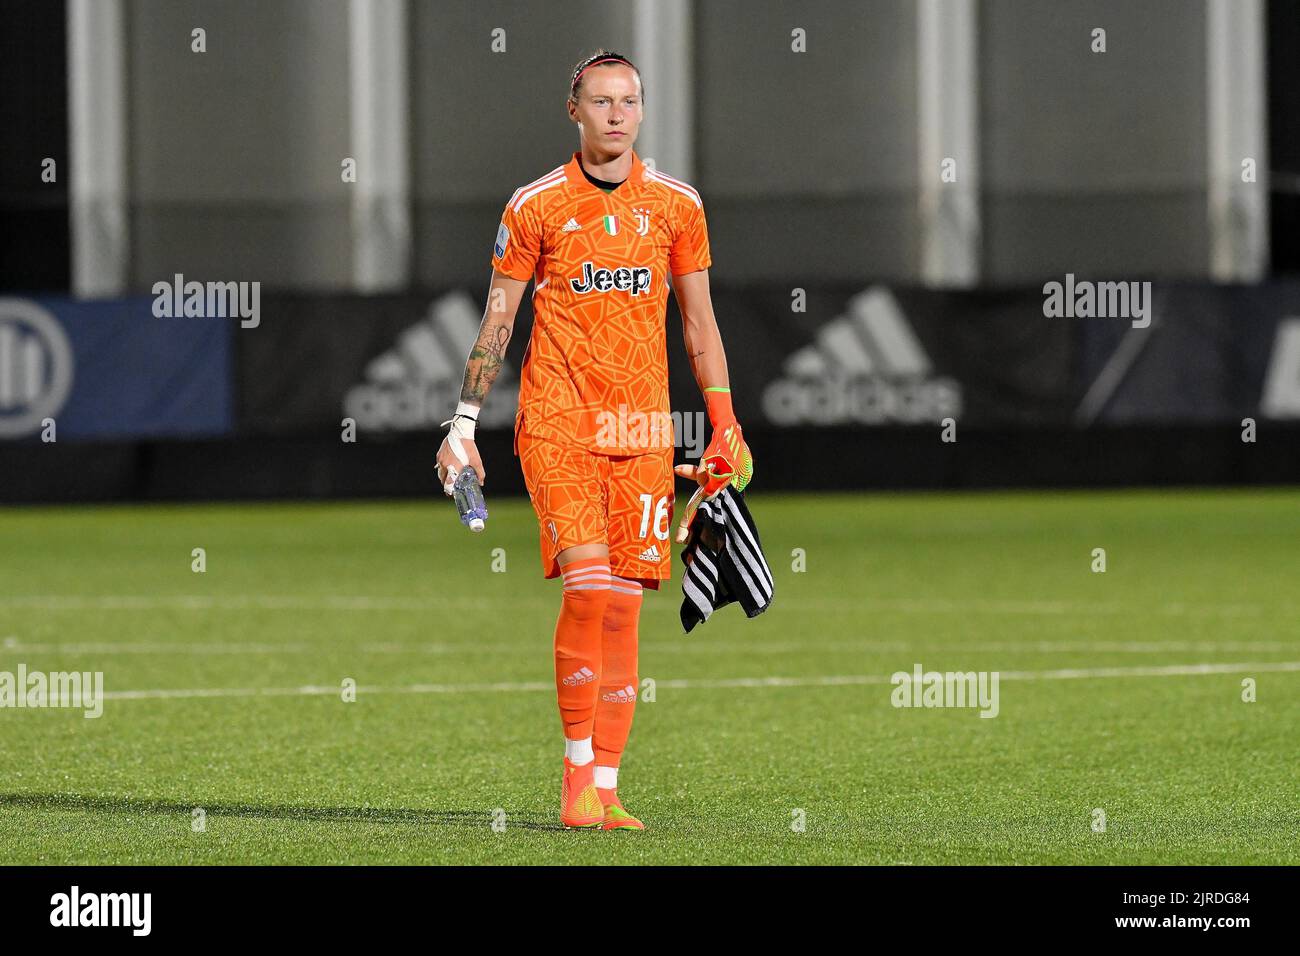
{"x": 691, "y": 645}
{"x": 367, "y": 603}
{"x": 1172, "y": 670}
{"x": 1169, "y": 670}
{"x": 1035, "y": 608}
{"x": 688, "y": 646}
{"x": 155, "y": 647}
{"x": 265, "y": 602}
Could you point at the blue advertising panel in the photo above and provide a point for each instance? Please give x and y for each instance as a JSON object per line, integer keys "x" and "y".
{"x": 110, "y": 370}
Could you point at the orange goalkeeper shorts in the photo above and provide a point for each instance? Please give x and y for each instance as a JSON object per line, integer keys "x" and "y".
{"x": 584, "y": 498}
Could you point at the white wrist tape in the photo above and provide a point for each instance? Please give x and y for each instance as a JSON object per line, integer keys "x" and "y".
{"x": 462, "y": 429}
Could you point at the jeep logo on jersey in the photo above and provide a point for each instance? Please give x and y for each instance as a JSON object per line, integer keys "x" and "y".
{"x": 623, "y": 279}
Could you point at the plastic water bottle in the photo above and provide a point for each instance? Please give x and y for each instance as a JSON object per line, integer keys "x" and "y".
{"x": 469, "y": 499}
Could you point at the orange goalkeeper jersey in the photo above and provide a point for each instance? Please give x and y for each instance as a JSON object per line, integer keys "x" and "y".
{"x": 595, "y": 373}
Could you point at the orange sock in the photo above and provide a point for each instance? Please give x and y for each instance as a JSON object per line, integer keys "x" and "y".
{"x": 577, "y": 643}
{"x": 618, "y": 687}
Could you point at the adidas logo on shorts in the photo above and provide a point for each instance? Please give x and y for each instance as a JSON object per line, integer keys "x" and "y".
{"x": 649, "y": 554}
{"x": 624, "y": 695}
{"x": 579, "y": 677}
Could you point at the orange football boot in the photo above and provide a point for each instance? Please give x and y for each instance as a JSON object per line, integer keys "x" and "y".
{"x": 579, "y": 804}
{"x": 616, "y": 817}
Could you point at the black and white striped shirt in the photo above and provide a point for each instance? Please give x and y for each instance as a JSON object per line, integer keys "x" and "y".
{"x": 724, "y": 561}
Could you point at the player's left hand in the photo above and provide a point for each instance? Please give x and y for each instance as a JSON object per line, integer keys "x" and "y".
{"x": 714, "y": 472}
{"x": 727, "y": 460}
{"x": 694, "y": 473}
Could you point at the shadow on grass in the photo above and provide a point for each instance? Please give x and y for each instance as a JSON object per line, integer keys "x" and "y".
{"x": 267, "y": 811}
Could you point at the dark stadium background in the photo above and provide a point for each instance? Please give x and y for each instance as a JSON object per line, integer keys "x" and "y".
{"x": 810, "y": 164}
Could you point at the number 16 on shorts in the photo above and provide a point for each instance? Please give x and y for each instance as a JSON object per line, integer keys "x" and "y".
{"x": 656, "y": 516}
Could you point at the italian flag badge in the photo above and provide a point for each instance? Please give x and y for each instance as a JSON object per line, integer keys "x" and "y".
{"x": 611, "y": 225}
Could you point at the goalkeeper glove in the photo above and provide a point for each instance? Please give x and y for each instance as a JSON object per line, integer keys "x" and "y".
{"x": 727, "y": 459}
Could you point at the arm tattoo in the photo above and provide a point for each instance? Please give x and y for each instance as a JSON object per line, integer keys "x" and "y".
{"x": 485, "y": 361}
{"x": 695, "y": 367}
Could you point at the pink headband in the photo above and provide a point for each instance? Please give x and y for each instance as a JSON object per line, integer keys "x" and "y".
{"x": 608, "y": 59}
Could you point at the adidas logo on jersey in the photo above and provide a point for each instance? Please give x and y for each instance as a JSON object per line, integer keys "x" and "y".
{"x": 623, "y": 279}
{"x": 865, "y": 367}
{"x": 570, "y": 226}
{"x": 624, "y": 695}
{"x": 650, "y": 554}
{"x": 579, "y": 677}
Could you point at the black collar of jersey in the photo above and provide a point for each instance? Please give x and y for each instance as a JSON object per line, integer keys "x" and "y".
{"x": 599, "y": 183}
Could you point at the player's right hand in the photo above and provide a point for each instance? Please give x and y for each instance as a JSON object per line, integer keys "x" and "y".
{"x": 450, "y": 463}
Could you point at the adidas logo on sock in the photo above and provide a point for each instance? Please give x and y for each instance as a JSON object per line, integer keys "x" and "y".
{"x": 579, "y": 677}
{"x": 649, "y": 554}
{"x": 570, "y": 226}
{"x": 624, "y": 695}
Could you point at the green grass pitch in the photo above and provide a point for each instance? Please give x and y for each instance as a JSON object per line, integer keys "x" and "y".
{"x": 455, "y": 719}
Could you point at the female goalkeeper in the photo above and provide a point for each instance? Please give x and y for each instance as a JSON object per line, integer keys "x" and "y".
{"x": 601, "y": 237}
